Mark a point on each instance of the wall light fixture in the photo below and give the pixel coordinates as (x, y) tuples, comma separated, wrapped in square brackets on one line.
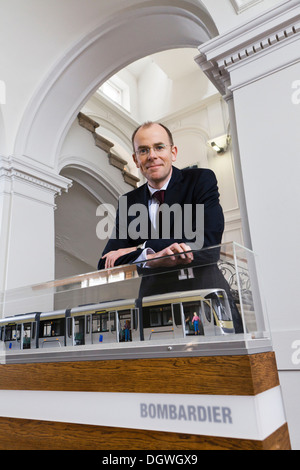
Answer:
[(220, 144)]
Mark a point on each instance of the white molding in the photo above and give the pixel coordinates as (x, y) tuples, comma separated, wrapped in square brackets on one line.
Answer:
[(232, 215), (264, 34), (15, 169), (242, 5), (261, 26)]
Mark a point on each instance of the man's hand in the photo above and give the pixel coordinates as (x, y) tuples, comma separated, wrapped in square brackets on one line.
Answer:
[(176, 254), (112, 256)]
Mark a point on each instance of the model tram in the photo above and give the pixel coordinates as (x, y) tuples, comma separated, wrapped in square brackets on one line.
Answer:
[(155, 317)]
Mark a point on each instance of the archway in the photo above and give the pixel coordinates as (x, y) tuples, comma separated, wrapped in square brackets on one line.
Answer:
[(130, 35), (77, 246)]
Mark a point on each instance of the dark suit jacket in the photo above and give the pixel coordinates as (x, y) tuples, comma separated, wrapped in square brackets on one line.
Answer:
[(190, 186), (186, 187)]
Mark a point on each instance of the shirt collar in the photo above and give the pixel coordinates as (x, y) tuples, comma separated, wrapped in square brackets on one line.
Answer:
[(153, 190)]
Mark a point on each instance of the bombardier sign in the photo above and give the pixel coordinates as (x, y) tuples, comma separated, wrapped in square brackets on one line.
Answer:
[(216, 414), (244, 417)]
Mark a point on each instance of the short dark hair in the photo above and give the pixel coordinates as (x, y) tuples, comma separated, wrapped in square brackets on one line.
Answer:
[(149, 124)]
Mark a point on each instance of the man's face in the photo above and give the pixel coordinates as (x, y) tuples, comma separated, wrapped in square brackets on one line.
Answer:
[(156, 166)]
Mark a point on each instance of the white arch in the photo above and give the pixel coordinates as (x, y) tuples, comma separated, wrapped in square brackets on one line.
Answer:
[(128, 36), (88, 176)]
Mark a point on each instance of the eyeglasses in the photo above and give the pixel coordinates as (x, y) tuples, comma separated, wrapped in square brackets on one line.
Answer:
[(158, 149)]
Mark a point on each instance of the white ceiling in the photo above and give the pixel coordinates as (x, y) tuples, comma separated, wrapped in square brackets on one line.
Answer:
[(176, 63)]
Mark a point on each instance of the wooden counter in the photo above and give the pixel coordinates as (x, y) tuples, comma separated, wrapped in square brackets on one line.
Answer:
[(231, 376)]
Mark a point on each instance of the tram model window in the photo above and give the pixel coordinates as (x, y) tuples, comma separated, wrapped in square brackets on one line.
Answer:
[(101, 322), (69, 327), (206, 306), (52, 328), (218, 305), (88, 324), (12, 332), (158, 315), (177, 313)]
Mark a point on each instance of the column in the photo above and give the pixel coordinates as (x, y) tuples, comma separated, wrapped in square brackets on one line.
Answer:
[(257, 65), (27, 234)]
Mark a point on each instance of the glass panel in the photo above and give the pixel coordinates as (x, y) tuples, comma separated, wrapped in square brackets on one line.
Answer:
[(220, 287), (52, 328)]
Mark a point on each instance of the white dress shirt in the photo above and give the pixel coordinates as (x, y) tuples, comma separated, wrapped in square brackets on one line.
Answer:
[(153, 206)]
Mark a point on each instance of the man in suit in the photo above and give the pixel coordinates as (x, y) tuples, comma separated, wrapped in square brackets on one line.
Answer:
[(187, 190)]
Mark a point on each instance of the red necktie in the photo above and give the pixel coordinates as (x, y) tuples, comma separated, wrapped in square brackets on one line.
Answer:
[(160, 196)]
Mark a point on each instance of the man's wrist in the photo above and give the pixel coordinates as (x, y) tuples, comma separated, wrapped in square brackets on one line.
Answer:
[(143, 257)]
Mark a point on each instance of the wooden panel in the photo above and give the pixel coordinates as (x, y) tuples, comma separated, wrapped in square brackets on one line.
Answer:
[(221, 375), (19, 434)]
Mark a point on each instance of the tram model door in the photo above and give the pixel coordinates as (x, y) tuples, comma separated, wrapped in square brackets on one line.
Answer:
[(178, 320), (128, 325), (12, 336), (190, 309), (207, 317), (79, 330)]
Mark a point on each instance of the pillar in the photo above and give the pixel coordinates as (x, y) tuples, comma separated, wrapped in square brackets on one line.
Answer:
[(257, 68), (27, 234)]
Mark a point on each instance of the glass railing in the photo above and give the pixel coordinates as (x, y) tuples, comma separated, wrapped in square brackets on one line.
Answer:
[(176, 304)]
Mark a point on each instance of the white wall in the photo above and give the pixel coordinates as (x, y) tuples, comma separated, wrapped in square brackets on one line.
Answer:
[(154, 91), (260, 65), (271, 170)]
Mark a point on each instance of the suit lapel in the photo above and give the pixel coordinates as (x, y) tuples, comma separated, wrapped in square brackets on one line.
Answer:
[(173, 189)]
